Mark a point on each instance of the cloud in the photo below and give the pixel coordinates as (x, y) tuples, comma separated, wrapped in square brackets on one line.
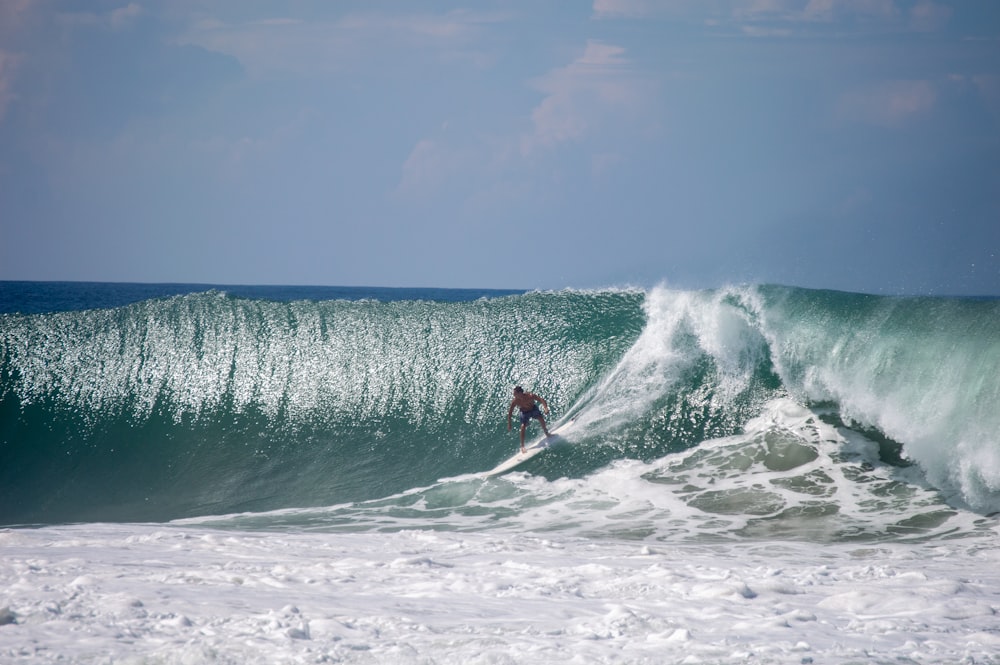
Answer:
[(927, 16), (426, 168), (830, 9), (597, 95), (581, 95), (750, 7), (457, 163), (888, 105), (119, 18), (454, 25), (116, 19), (776, 18), (23, 21), (13, 14), (701, 9), (763, 31), (287, 44), (624, 8)]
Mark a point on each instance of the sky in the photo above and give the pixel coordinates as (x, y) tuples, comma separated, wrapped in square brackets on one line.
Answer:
[(538, 144)]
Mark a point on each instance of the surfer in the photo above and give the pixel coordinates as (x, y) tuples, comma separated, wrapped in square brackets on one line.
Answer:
[(529, 409)]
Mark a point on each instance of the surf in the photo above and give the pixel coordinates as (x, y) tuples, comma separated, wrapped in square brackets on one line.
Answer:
[(209, 403)]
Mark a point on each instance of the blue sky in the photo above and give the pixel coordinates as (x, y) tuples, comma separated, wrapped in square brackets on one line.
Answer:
[(844, 144)]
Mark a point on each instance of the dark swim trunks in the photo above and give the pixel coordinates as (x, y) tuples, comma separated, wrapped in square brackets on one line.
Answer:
[(528, 415)]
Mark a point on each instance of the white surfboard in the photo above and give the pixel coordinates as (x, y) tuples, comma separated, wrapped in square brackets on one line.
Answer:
[(544, 443)]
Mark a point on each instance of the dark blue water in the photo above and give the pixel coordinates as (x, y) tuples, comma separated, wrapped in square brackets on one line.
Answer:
[(42, 297)]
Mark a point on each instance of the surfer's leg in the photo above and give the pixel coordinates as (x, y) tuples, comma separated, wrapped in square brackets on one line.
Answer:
[(524, 426), (545, 429)]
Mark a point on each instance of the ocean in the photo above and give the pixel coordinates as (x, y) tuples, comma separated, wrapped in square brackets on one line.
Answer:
[(253, 474)]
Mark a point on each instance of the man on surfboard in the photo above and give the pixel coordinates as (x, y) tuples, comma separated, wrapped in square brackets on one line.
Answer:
[(526, 402)]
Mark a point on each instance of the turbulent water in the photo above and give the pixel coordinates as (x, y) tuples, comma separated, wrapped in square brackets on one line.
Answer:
[(741, 415)]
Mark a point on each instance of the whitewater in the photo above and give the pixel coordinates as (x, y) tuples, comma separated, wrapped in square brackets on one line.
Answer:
[(753, 474)]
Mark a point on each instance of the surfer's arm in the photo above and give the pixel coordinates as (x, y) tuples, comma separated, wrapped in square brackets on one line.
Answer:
[(510, 411), (542, 400)]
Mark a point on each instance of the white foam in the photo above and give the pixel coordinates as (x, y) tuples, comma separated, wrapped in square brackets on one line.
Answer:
[(681, 328), (789, 475), (173, 594)]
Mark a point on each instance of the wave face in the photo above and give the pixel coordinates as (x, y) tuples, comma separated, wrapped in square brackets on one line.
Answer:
[(208, 404)]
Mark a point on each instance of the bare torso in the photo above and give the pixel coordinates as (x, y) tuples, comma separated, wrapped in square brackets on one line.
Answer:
[(524, 401)]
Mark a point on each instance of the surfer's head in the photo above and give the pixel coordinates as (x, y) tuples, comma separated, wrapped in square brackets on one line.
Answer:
[(518, 389)]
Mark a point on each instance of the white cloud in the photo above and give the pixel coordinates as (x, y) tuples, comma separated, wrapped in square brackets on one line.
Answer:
[(597, 93), (627, 8), (830, 9), (699, 9), (276, 45), (581, 95), (454, 25), (927, 15), (16, 18), (119, 18), (888, 105), (425, 169), (753, 10), (763, 31), (780, 18), (283, 44), (116, 19), (763, 6)]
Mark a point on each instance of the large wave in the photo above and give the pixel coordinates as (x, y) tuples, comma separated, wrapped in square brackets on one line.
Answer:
[(208, 403)]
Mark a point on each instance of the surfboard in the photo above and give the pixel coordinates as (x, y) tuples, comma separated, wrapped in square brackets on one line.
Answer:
[(535, 447)]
